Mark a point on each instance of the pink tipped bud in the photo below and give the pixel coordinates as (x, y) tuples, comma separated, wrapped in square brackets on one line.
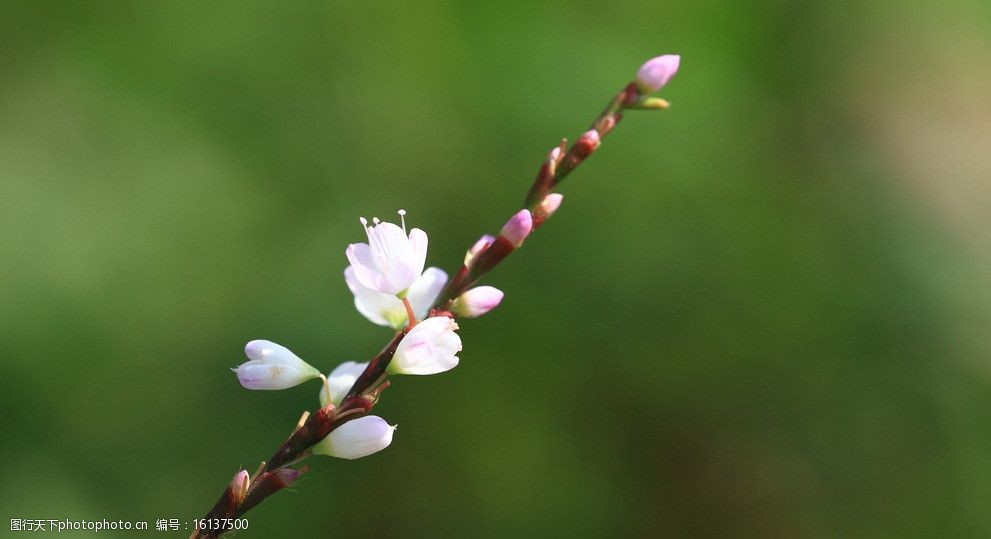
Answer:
[(550, 204), (517, 228), (239, 486), (587, 143), (477, 301), (656, 72), (481, 245)]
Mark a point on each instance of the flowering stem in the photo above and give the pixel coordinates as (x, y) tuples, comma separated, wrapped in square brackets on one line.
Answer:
[(276, 473)]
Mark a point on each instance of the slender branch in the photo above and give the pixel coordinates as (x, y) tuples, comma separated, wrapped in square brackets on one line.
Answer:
[(275, 474)]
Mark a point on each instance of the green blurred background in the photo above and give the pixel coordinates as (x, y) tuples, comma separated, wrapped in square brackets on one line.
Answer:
[(762, 313)]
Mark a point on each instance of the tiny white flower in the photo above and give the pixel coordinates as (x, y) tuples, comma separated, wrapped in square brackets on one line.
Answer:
[(477, 301), (429, 348), (339, 382), (391, 261), (387, 309), (273, 366), (357, 438)]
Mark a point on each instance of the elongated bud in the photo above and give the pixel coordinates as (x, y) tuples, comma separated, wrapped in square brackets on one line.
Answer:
[(646, 102), (546, 208), (656, 72), (357, 438), (655, 103), (272, 366), (477, 301), (430, 347), (239, 486), (517, 228), (339, 382), (551, 203), (481, 245), (586, 144)]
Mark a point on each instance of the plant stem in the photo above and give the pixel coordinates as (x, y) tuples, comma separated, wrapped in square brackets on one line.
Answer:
[(275, 474)]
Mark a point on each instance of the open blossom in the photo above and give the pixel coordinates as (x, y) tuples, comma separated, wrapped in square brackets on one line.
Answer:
[(656, 72), (477, 301), (429, 348), (357, 438), (273, 366), (391, 261), (339, 382), (387, 309)]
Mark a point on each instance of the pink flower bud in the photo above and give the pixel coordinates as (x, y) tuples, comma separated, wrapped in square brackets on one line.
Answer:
[(477, 301), (550, 204), (517, 228), (239, 486), (481, 245), (587, 143), (656, 72)]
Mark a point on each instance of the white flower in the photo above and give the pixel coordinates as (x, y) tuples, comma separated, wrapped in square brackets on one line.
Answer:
[(429, 348), (339, 382), (273, 366), (391, 261), (357, 438), (477, 301), (387, 309)]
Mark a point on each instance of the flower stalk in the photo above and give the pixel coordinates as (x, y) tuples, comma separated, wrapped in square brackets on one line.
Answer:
[(387, 269)]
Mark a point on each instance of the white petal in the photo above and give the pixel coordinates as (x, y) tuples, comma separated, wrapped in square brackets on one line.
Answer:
[(418, 246), (423, 293), (379, 308), (389, 245), (429, 348), (357, 438), (340, 381), (477, 301), (262, 350), (365, 269)]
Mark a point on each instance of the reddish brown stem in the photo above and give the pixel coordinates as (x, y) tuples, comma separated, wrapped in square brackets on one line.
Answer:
[(276, 474)]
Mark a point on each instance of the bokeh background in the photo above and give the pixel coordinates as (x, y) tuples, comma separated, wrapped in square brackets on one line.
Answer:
[(762, 313)]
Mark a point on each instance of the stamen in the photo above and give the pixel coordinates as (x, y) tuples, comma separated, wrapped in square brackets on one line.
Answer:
[(364, 223), (376, 220), (402, 218)]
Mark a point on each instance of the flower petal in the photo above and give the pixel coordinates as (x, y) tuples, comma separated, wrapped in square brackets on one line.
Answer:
[(423, 293), (357, 438), (379, 308), (340, 381)]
